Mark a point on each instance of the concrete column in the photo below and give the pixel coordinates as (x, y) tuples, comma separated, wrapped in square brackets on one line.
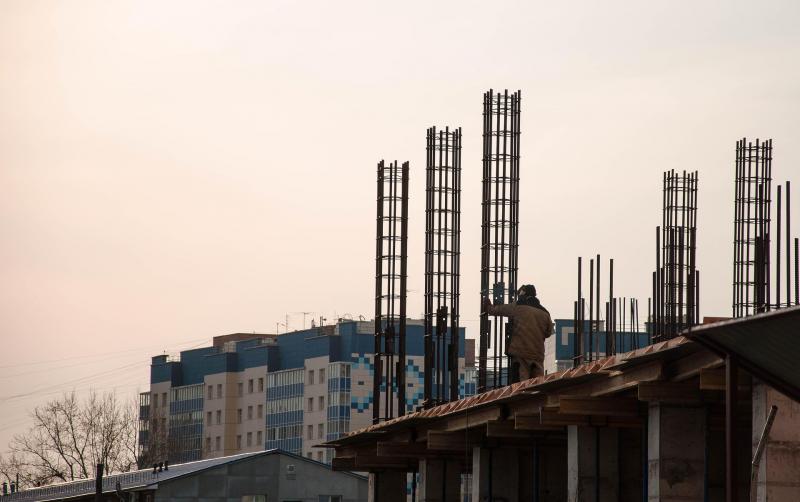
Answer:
[(582, 463), (675, 453), (439, 481), (778, 477), (387, 486), (495, 475)]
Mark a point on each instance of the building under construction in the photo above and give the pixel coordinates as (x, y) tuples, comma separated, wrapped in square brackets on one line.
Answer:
[(675, 407)]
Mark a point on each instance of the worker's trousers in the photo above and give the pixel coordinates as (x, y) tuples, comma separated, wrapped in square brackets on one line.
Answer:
[(526, 368)]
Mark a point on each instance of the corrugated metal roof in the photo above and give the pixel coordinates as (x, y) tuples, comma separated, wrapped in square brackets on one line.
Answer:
[(141, 479), (766, 345), (595, 369)]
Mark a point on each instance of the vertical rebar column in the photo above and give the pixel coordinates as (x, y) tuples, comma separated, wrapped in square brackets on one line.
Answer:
[(675, 288), (442, 264), (499, 225), (752, 216), (388, 386)]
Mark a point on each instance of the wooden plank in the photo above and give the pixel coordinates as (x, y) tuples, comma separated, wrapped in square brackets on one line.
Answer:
[(608, 406), (476, 418), (552, 417), (669, 392)]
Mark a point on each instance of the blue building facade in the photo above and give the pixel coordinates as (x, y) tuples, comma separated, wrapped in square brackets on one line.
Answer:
[(291, 391)]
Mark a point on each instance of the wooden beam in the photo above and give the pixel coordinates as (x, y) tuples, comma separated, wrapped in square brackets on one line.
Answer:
[(608, 406), (343, 463), (552, 417), (475, 418), (691, 365), (367, 462), (441, 440), (670, 392), (533, 423), (506, 429), (413, 450)]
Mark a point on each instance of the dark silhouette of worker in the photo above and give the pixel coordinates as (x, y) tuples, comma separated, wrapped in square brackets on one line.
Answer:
[(531, 325)]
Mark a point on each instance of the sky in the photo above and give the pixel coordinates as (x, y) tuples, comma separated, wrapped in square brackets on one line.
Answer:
[(171, 171)]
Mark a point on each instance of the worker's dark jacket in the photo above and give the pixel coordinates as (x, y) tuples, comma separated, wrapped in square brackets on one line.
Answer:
[(531, 326)]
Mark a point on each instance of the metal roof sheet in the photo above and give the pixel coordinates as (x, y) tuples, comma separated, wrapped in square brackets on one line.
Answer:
[(766, 345)]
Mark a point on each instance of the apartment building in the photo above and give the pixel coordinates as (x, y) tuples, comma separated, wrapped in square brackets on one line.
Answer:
[(249, 391)]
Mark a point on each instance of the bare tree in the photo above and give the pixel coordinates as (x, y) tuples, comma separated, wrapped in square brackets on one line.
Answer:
[(68, 437)]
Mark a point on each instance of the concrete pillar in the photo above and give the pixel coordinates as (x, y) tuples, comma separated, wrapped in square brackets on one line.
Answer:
[(778, 477), (495, 475), (439, 481), (582, 463), (387, 486), (675, 453)]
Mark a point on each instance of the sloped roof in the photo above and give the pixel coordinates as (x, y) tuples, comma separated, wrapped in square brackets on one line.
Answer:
[(595, 369), (766, 345), (137, 480)]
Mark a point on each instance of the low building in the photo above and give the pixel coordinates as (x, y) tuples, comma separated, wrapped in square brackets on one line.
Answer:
[(249, 392), (268, 476)]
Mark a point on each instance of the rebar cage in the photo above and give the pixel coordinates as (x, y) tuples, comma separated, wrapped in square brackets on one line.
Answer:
[(388, 389), (499, 225), (442, 264), (676, 278), (751, 247)]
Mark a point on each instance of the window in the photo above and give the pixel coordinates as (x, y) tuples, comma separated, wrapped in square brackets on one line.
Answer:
[(310, 406), (208, 444), (240, 387), (321, 431), (322, 375), (239, 416), (163, 399), (249, 439), (310, 377), (250, 386), (208, 418), (258, 498), (239, 442), (259, 441), (260, 385), (217, 443), (308, 454), (155, 400), (319, 456), (321, 403), (219, 417), (219, 390), (260, 411), (310, 432), (211, 392)]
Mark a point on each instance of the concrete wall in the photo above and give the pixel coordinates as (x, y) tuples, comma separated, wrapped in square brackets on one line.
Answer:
[(317, 416), (779, 472), (267, 475)]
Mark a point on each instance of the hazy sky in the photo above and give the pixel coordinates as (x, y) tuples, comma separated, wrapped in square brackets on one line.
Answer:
[(171, 171)]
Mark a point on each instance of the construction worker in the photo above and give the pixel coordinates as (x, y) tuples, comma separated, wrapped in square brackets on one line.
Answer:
[(531, 325)]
